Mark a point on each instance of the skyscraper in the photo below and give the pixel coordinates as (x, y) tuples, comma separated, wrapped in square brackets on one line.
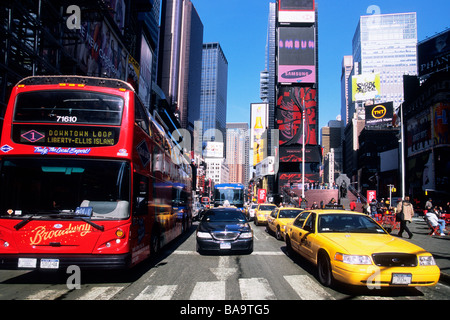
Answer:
[(387, 44), (213, 95), (238, 142)]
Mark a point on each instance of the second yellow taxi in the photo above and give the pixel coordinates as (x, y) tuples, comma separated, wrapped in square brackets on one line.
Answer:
[(262, 212), (351, 247), (279, 218)]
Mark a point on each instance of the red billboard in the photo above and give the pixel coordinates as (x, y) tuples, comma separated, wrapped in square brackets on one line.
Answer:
[(292, 102)]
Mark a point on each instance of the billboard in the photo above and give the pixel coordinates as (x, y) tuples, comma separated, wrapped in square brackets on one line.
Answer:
[(365, 87), (381, 113), (259, 121), (295, 154), (213, 149), (291, 103), (441, 117), (434, 54), (296, 55), (296, 11)]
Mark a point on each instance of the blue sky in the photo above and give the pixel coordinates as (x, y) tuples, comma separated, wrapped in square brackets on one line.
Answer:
[(240, 26)]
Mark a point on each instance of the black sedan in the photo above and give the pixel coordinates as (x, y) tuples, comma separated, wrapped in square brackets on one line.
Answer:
[(224, 230)]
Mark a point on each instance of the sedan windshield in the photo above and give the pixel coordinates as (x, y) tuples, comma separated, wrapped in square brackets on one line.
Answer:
[(348, 223), (224, 216), (35, 187)]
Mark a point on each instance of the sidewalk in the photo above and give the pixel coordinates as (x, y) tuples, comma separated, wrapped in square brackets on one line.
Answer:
[(438, 246)]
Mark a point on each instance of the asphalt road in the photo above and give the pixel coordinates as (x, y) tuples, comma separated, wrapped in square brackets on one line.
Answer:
[(180, 273)]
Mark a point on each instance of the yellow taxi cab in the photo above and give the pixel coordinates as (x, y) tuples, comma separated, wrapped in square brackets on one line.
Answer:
[(351, 247), (279, 218), (262, 212)]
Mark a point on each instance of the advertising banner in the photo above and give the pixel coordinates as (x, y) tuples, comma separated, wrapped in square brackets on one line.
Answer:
[(296, 55), (379, 114), (262, 195), (294, 154), (296, 11), (441, 117), (371, 194), (418, 133), (434, 54), (291, 103), (365, 87), (259, 123)]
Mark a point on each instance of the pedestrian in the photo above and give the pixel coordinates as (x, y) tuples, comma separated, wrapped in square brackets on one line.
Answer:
[(434, 220), (353, 205), (428, 205), (373, 207), (405, 212)]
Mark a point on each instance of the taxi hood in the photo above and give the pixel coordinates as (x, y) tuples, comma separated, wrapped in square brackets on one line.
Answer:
[(367, 244)]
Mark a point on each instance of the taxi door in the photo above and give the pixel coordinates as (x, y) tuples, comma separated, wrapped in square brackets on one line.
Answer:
[(271, 219), (296, 231), (308, 238)]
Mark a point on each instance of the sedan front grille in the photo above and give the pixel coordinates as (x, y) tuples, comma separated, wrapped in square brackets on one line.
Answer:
[(394, 259), (225, 235)]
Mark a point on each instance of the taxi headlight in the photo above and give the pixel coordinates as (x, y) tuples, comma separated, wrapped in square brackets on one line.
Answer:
[(427, 261), (352, 259)]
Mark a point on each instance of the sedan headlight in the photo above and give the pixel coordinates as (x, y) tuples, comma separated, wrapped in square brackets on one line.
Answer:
[(204, 235), (427, 261), (246, 235), (352, 259)]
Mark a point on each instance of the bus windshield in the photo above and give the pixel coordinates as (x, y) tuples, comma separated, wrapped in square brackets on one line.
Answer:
[(68, 106), (233, 195), (35, 187)]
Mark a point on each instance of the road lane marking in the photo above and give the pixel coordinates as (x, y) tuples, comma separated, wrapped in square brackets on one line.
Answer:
[(306, 288), (47, 294), (256, 289), (157, 292), (100, 293), (210, 290)]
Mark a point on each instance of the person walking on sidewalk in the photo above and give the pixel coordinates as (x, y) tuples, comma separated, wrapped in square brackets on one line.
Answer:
[(405, 212)]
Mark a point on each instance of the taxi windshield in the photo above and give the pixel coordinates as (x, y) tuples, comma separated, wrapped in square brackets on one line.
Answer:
[(348, 223)]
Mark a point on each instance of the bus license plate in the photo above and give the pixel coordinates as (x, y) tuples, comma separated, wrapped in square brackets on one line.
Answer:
[(49, 263), (225, 245), (27, 263), (401, 278)]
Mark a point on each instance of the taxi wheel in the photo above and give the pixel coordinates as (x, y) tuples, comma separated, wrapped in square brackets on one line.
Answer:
[(278, 234), (324, 270)]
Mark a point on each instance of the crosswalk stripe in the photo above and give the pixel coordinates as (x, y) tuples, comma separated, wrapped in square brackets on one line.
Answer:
[(100, 293), (47, 294), (256, 289), (306, 288), (211, 290), (157, 293)]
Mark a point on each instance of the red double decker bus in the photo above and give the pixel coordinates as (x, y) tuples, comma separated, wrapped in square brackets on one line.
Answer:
[(87, 177)]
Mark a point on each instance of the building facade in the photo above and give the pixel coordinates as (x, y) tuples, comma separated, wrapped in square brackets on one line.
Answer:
[(213, 94)]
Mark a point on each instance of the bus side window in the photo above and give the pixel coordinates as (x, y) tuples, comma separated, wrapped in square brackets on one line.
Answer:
[(141, 117), (140, 195)]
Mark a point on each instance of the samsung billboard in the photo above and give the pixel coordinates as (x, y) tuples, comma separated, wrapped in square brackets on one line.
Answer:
[(296, 11), (296, 55)]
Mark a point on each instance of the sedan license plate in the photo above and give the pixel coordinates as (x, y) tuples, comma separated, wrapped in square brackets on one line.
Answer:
[(49, 263), (401, 278), (225, 245)]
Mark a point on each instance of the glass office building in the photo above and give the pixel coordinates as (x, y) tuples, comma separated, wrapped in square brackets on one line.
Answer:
[(387, 44), (213, 93)]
